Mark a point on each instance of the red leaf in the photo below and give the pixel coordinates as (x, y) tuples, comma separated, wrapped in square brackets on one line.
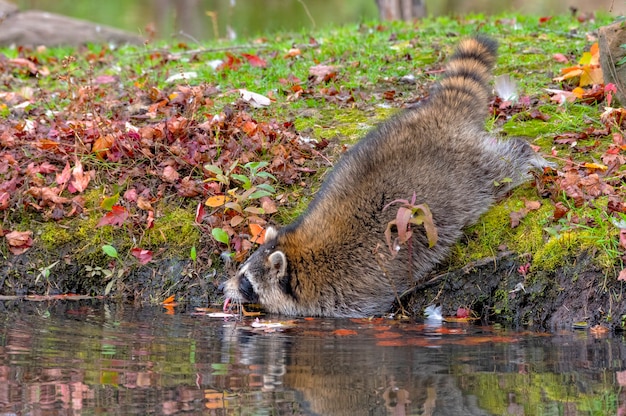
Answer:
[(199, 213), (64, 176), (116, 216), (463, 313), (144, 256), (545, 19), (255, 60)]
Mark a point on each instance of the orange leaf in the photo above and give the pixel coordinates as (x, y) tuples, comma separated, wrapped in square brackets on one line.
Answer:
[(46, 144), (169, 307), (258, 233), (101, 145), (169, 299), (216, 201)]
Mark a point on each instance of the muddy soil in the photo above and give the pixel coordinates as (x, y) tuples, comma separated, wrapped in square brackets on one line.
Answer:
[(492, 288)]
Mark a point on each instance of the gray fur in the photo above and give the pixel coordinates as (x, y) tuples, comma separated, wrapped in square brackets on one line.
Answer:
[(334, 261)]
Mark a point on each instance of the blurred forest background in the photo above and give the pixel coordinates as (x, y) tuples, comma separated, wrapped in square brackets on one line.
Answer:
[(206, 19)]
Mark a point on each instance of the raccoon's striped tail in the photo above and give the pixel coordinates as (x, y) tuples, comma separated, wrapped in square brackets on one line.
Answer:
[(465, 85)]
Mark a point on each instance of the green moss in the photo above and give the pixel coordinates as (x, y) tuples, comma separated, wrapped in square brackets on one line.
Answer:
[(52, 236), (555, 251), (561, 119), (174, 229)]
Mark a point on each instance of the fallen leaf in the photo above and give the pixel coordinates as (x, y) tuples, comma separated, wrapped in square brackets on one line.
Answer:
[(258, 233), (65, 175), (144, 256), (170, 299), (80, 179), (255, 60), (19, 241), (116, 217), (101, 145), (170, 174), (216, 201)]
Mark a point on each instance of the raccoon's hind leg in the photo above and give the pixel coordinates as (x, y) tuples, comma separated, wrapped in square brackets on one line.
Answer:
[(516, 161)]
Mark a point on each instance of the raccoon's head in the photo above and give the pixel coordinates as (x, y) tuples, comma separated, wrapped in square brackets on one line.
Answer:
[(263, 278)]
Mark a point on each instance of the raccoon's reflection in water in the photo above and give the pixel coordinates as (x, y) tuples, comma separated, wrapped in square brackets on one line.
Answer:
[(326, 375)]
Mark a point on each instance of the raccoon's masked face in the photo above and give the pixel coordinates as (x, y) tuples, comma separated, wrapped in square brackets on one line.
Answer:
[(263, 278)]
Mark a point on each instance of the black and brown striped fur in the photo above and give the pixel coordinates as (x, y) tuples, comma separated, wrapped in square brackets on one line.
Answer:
[(333, 261)]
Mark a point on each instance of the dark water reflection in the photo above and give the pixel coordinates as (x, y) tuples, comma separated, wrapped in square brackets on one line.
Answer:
[(84, 358)]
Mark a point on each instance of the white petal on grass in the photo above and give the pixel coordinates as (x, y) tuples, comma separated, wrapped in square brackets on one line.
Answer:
[(255, 100), (506, 88)]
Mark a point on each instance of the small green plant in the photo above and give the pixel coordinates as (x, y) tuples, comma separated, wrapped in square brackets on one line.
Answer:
[(110, 251), (45, 272), (220, 235)]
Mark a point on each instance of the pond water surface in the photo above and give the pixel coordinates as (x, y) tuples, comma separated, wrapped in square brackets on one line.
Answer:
[(84, 358)]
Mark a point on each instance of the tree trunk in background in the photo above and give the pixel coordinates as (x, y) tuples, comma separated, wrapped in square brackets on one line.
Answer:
[(401, 9)]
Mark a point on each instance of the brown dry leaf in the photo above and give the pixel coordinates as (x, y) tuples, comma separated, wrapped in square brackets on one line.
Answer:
[(19, 241), (64, 176), (80, 179), (170, 174), (4, 200), (517, 216), (622, 275), (102, 144), (323, 72), (143, 203), (268, 205), (532, 205)]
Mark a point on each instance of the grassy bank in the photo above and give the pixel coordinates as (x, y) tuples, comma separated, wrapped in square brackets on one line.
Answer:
[(113, 161)]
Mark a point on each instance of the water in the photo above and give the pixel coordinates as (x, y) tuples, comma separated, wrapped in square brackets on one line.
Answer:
[(86, 358)]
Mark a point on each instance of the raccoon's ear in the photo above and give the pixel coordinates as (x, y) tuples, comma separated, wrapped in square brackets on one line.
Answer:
[(270, 233), (278, 264)]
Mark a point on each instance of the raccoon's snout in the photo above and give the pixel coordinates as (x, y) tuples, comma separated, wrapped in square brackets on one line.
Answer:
[(246, 289)]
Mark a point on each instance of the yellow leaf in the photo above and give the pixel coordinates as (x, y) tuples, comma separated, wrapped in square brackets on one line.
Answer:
[(578, 92), (592, 75), (599, 166), (216, 201)]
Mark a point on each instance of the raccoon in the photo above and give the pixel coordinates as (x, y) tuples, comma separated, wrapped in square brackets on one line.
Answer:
[(333, 260)]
